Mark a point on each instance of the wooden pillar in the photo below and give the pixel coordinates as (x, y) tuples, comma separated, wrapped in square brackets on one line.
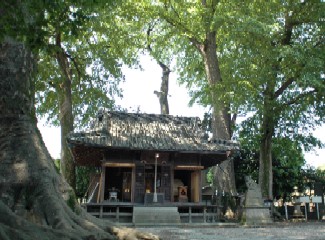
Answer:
[(195, 186), (204, 214), (101, 191), (117, 214), (200, 184), (133, 184), (101, 211), (172, 172)]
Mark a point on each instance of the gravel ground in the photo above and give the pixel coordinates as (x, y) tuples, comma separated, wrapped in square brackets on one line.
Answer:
[(284, 231)]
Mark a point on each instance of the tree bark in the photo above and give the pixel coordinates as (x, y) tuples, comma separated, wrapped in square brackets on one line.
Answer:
[(163, 94), (224, 178), (35, 201), (265, 169), (224, 175), (221, 118), (267, 132), (67, 165)]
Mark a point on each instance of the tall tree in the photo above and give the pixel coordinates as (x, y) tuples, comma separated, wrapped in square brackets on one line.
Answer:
[(147, 34), (193, 29), (197, 23), (188, 30), (35, 201), (275, 68), (158, 56), (76, 58), (287, 161)]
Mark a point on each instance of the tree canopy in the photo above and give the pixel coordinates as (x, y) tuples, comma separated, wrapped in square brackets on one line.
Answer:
[(35, 200), (271, 62), (260, 59)]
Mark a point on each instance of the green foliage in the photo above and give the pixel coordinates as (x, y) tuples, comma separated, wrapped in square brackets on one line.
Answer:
[(57, 165), (271, 61), (288, 163), (312, 176), (94, 61), (282, 49), (83, 175), (23, 21), (72, 201), (94, 56), (272, 64), (245, 164), (209, 176)]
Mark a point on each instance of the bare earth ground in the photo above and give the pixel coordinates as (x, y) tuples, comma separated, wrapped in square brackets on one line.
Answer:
[(278, 231)]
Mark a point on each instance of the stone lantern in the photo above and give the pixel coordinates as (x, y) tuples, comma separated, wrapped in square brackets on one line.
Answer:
[(295, 195)]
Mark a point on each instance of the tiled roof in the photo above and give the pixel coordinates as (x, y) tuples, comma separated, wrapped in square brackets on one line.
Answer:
[(149, 132)]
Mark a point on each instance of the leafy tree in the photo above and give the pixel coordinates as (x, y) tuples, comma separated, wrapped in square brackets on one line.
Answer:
[(83, 177), (154, 38), (188, 30), (312, 176), (193, 29), (35, 200), (198, 23), (78, 70), (278, 74), (288, 163)]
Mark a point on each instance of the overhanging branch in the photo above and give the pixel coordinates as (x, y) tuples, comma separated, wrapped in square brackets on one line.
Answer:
[(178, 24), (299, 98), (283, 87), (76, 65)]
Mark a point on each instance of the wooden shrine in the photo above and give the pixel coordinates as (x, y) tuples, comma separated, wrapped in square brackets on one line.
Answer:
[(133, 150)]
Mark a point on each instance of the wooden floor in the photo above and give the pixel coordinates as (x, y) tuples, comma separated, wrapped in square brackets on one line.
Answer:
[(122, 212)]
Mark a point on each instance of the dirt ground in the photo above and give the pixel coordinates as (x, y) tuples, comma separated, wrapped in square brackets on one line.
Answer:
[(279, 231)]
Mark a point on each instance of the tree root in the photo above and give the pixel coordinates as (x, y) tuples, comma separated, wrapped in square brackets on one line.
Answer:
[(34, 197)]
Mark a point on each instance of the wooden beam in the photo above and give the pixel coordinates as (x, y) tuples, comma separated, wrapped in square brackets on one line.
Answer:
[(195, 186), (101, 191), (188, 167), (113, 164)]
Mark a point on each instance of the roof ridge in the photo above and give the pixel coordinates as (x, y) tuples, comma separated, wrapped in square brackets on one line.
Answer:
[(148, 114)]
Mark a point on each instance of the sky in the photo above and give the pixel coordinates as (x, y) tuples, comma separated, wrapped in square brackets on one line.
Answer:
[(138, 91)]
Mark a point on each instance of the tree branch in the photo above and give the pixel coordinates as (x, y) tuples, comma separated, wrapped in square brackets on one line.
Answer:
[(233, 119), (149, 30), (288, 26), (284, 86), (149, 48), (179, 25), (300, 97), (75, 63)]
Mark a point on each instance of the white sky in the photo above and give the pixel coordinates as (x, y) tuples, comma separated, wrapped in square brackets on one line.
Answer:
[(138, 91)]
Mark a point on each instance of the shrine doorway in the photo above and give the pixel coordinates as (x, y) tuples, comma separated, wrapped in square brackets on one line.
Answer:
[(119, 181), (190, 179)]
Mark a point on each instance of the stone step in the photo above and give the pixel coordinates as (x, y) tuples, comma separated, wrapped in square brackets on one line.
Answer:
[(156, 215)]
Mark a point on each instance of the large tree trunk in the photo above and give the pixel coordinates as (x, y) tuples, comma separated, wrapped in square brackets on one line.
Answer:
[(35, 201), (224, 176), (67, 166), (267, 132), (221, 117), (163, 94), (265, 169)]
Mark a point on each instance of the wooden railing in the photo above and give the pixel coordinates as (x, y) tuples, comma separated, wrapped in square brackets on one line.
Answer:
[(123, 212)]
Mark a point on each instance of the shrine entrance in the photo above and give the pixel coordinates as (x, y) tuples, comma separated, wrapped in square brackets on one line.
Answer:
[(118, 184), (187, 185), (145, 181)]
